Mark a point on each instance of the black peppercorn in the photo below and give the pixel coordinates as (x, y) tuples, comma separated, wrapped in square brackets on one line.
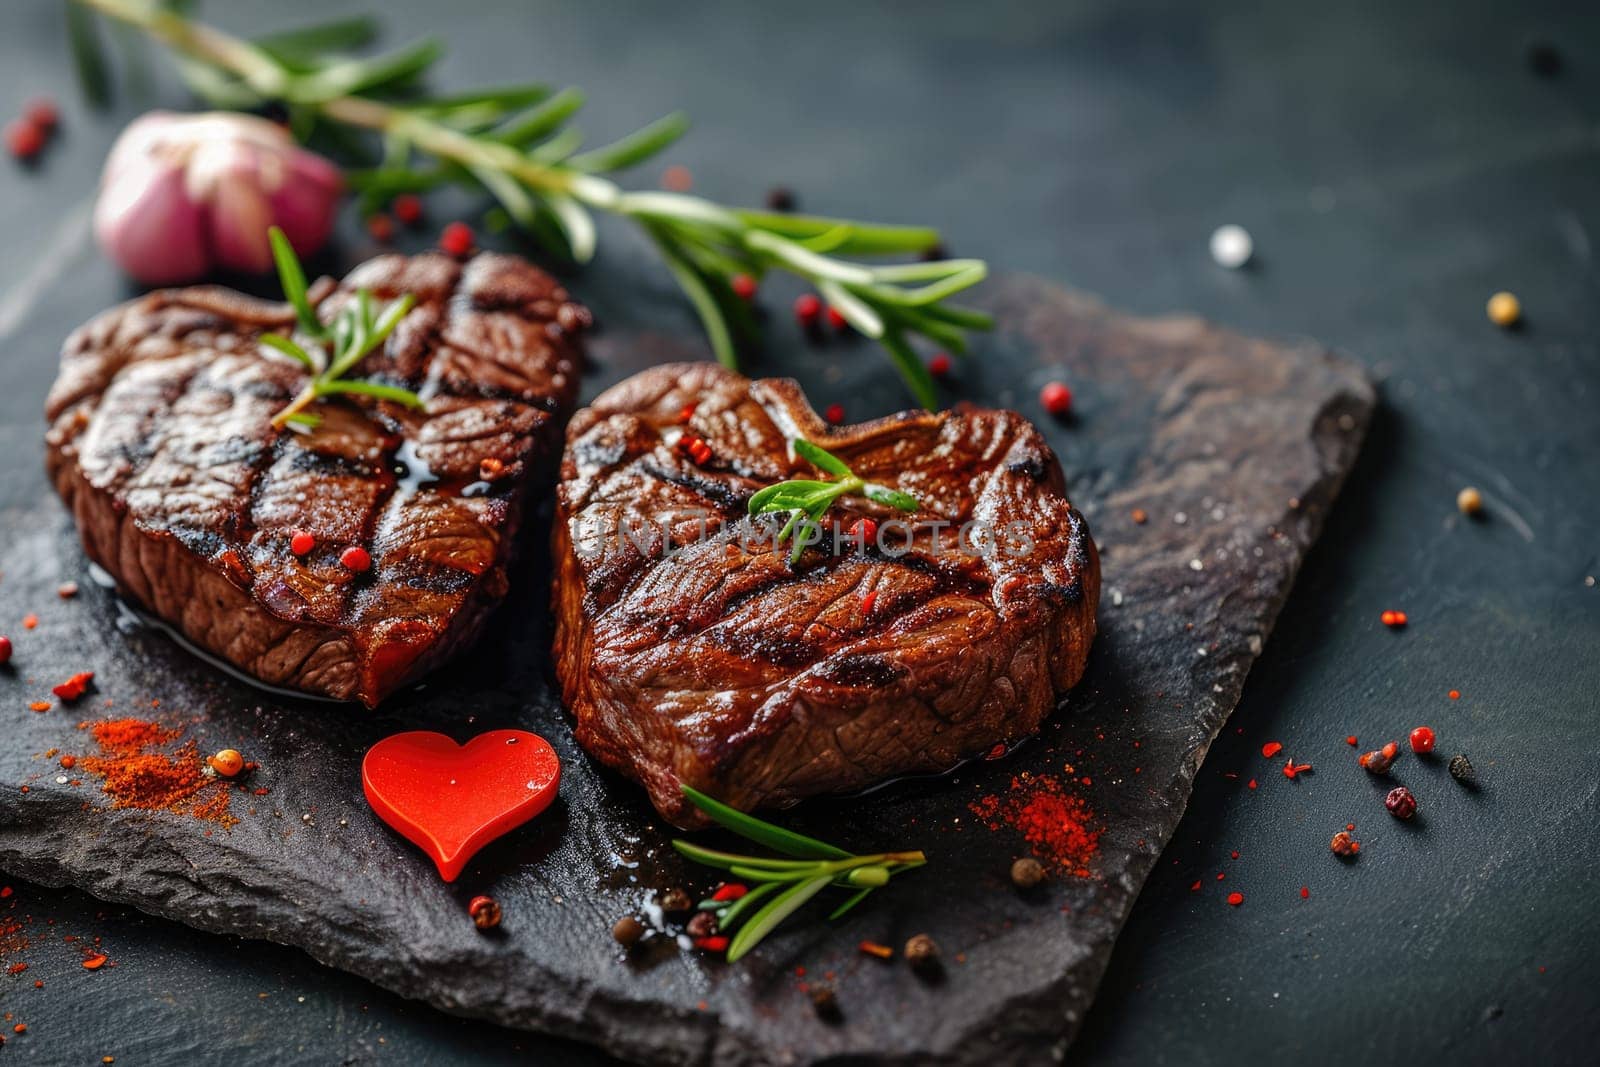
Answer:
[(781, 198), (933, 252), (1400, 802), (922, 952), (1544, 58), (627, 931), (676, 901), (1462, 771), (704, 924), (485, 912), (825, 1001), (1026, 873)]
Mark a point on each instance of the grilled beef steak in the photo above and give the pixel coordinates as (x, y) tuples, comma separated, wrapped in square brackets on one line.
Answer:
[(161, 445), (691, 651)]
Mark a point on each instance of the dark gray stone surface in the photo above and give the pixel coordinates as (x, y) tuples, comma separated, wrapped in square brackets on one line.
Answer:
[(1233, 447)]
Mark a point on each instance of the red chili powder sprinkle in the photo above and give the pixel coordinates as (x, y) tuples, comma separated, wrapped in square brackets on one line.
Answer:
[(1060, 828), (1235, 853), (1235, 898), (1455, 694), (30, 621), (1305, 892), (16, 968), (1351, 740), (40, 705), (1271, 748), (136, 777), (868, 600), (1196, 887), (1350, 826), (94, 963), (1251, 783), (872, 948)]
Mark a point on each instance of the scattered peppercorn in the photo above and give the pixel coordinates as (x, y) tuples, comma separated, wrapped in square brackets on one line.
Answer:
[(1469, 502), (1505, 309), (1400, 802), (42, 112), (677, 178), (1344, 845), (1139, 516), (301, 543), (864, 531), (676, 901), (702, 924), (485, 912), (1379, 760), (837, 320), (457, 240), (627, 931), (1235, 899), (825, 1001), (939, 365), (807, 309), (743, 286), (407, 208), (834, 414), (1305, 892), (1027, 873), (1056, 398), (781, 198), (1544, 59), (922, 952), (1422, 740), (355, 558), (6, 649), (227, 763), (24, 140), (1461, 770), (1393, 619), (68, 762), (380, 227)]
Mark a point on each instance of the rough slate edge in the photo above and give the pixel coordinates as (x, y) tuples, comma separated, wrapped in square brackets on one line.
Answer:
[(1115, 380)]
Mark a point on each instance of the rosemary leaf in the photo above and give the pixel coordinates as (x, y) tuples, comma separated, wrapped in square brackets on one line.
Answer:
[(736, 913), (636, 147), (820, 458), (290, 349), (372, 389), (855, 898), (293, 280), (774, 912), (763, 833)]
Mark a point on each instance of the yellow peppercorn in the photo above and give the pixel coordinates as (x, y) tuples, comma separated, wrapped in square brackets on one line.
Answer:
[(1504, 309), (227, 763), (1469, 501)]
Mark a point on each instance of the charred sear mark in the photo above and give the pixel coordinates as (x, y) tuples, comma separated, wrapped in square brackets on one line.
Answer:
[(721, 494), (861, 672), (778, 649), (1032, 466), (327, 463)]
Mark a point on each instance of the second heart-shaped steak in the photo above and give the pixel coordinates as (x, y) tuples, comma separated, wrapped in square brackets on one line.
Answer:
[(344, 561), (692, 650)]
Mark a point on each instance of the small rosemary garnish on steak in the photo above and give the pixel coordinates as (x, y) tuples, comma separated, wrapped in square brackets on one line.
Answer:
[(332, 350), (807, 500), (783, 885)]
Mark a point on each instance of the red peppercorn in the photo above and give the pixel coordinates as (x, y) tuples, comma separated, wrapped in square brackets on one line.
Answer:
[(302, 543), (1305, 892), (1056, 398), (1393, 619), (1235, 899), (834, 414), (1422, 739), (485, 912), (807, 309), (731, 891), (381, 227), (5, 649), (457, 239), (24, 140), (407, 208), (939, 365), (744, 286), (836, 320), (355, 558), (1400, 802), (864, 531), (696, 449), (42, 112)]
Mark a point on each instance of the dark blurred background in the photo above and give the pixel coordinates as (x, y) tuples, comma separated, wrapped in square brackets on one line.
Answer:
[(1396, 164)]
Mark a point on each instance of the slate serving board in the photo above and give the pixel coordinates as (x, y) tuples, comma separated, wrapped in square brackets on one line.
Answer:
[(1234, 448)]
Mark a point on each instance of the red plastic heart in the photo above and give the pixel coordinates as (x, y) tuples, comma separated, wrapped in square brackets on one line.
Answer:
[(450, 800)]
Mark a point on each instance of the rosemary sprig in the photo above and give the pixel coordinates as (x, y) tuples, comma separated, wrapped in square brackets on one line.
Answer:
[(331, 351), (783, 886), (515, 144), (807, 500)]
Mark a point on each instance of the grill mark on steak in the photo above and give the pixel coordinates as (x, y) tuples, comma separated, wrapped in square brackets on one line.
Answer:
[(720, 665), (161, 445)]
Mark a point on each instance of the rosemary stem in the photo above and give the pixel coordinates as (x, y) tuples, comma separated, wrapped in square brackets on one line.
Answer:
[(301, 401)]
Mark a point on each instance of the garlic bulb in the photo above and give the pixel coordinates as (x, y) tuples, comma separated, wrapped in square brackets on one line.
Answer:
[(185, 194)]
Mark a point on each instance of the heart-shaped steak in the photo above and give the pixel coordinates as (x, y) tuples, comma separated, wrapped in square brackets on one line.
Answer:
[(692, 651), (450, 800), (162, 446)]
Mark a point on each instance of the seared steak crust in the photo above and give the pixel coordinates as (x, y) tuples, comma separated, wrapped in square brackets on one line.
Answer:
[(690, 651), (161, 445)]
